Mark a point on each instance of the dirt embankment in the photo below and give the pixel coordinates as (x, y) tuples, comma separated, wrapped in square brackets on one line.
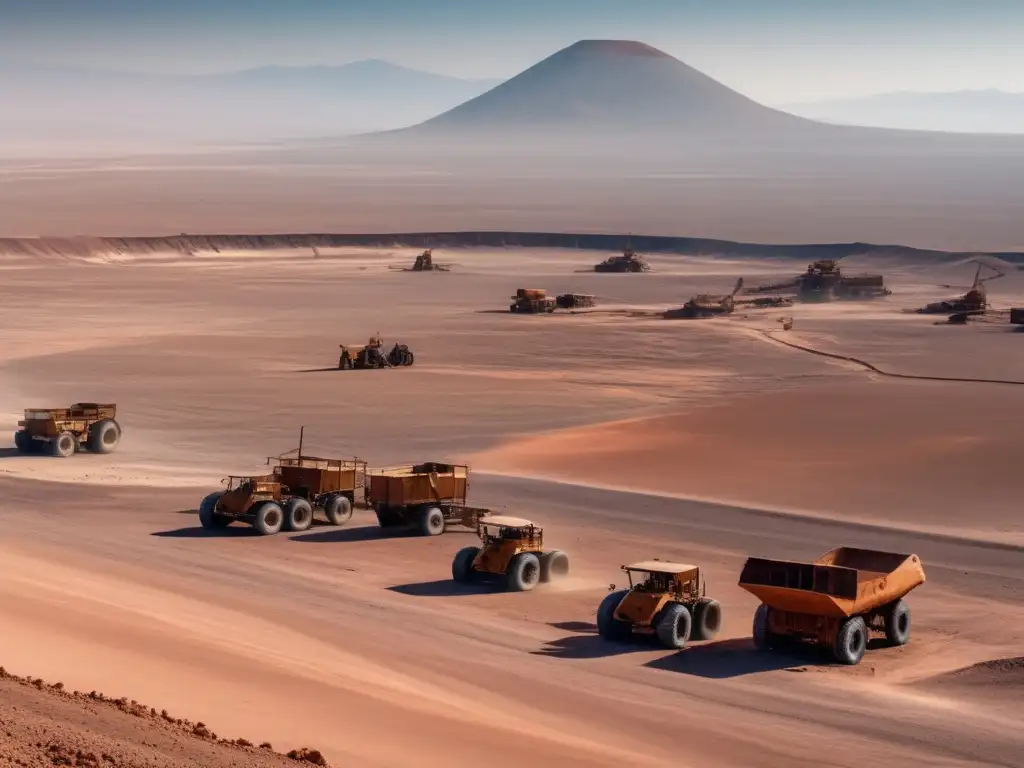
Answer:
[(43, 724), (91, 247)]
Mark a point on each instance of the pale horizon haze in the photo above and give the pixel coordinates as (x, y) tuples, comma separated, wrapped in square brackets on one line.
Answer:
[(777, 53)]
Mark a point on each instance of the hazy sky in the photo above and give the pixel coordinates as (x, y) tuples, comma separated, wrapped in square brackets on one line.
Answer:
[(776, 51)]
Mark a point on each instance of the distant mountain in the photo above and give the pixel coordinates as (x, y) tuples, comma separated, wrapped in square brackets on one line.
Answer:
[(612, 87), (55, 104), (979, 111)]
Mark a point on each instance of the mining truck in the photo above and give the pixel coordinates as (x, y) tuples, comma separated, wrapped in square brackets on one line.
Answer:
[(835, 601), (427, 497), (289, 496), (64, 431), (532, 301), (372, 356), (512, 552), (666, 600)]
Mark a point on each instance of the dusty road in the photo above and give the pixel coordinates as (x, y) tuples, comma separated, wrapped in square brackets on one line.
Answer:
[(361, 645)]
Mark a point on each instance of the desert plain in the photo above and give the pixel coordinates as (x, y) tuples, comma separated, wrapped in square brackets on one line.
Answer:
[(625, 435)]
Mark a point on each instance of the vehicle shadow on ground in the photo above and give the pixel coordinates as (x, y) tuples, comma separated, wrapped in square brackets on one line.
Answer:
[(334, 535), (198, 532), (444, 588), (591, 646), (318, 370), (735, 658), (575, 626)]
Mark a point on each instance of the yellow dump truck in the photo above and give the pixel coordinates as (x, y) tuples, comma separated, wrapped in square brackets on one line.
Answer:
[(512, 550), (837, 600), (428, 496), (64, 431)]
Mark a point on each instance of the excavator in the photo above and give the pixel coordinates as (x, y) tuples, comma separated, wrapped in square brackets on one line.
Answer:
[(974, 302)]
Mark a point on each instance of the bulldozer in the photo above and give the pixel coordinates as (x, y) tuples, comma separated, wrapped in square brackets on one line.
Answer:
[(664, 599), (629, 261), (513, 550), (372, 355)]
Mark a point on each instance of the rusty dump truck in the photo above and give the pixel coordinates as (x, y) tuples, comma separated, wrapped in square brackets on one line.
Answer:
[(835, 601), (426, 496), (288, 497), (64, 431)]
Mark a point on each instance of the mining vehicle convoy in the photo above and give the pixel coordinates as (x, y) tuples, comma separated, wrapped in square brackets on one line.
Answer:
[(513, 551), (64, 431), (371, 355), (428, 497), (836, 601), (665, 599), (290, 495)]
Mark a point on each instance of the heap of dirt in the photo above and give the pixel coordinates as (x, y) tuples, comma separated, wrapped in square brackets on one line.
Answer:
[(43, 724), (1002, 678)]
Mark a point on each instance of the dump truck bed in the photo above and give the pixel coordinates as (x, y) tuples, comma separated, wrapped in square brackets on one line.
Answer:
[(318, 476), (419, 484), (842, 582), (78, 411)]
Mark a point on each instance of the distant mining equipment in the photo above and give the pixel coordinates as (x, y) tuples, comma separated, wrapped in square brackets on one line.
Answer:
[(972, 303), (713, 305), (825, 281), (535, 301), (629, 261), (425, 263)]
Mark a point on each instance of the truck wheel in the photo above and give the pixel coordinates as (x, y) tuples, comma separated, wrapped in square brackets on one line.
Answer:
[(298, 515), (760, 632), (269, 518), (554, 563), (707, 619), (410, 358), (23, 442), (338, 509), (608, 627), (64, 445), (673, 626), (462, 565), (897, 623), (523, 572), (103, 436), (208, 515), (851, 641), (431, 522)]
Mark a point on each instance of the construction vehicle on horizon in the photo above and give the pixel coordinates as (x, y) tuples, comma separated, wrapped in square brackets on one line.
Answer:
[(973, 302), (424, 263), (513, 551), (629, 261), (835, 601), (288, 497), (428, 497), (666, 600), (371, 355), (824, 281), (534, 301), (64, 431)]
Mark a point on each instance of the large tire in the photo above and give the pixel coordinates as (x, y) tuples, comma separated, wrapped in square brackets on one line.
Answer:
[(337, 509), (23, 442), (608, 627), (431, 522), (761, 634), (410, 358), (462, 565), (707, 619), (64, 445), (897, 623), (553, 564), (269, 518), (851, 641), (523, 572), (298, 514), (208, 516), (104, 436), (673, 626)]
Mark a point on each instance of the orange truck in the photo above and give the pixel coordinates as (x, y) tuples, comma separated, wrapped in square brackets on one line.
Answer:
[(836, 601)]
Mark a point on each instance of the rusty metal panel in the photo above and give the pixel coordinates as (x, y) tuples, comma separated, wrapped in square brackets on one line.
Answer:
[(640, 608)]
